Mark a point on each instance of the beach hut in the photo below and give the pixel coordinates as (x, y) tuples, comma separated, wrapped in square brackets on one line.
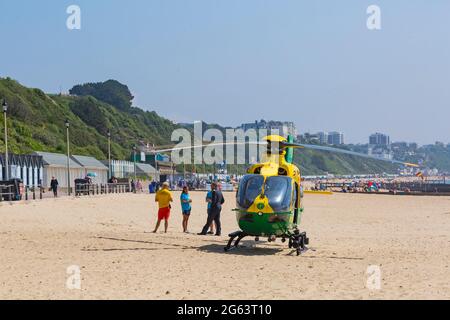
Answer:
[(55, 165), (145, 170), (125, 169), (93, 168), (120, 168), (28, 168)]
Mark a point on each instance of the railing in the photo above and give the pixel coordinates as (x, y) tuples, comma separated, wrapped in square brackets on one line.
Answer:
[(12, 193), (86, 189), (419, 187), (7, 192), (30, 192)]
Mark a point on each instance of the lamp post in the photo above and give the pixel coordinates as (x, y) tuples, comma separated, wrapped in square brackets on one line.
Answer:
[(156, 168), (5, 109), (68, 157), (134, 161), (204, 170), (109, 155)]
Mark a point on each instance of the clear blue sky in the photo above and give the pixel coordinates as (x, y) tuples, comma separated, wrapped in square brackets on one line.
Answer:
[(234, 61)]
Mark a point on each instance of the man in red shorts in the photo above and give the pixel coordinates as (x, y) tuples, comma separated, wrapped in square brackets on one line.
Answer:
[(164, 198)]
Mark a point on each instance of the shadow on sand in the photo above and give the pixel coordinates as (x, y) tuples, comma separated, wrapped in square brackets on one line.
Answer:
[(167, 246), (247, 248)]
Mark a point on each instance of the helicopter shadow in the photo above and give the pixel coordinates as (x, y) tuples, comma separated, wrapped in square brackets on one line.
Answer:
[(247, 248)]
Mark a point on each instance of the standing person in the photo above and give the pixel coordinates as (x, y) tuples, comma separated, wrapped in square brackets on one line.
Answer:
[(186, 207), (139, 186), (215, 201), (208, 200), (54, 186), (164, 198)]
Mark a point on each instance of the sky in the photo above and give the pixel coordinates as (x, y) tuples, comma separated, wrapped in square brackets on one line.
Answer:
[(230, 61)]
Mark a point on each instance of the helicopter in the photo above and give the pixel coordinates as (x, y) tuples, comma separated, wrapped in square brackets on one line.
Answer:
[(269, 196)]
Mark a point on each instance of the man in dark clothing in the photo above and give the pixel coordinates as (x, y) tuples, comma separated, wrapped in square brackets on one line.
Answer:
[(54, 186), (215, 201)]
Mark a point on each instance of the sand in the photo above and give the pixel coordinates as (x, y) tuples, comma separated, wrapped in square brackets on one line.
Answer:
[(108, 237)]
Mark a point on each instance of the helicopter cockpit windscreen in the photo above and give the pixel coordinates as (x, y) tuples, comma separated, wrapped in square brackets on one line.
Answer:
[(279, 192), (277, 189), (249, 188)]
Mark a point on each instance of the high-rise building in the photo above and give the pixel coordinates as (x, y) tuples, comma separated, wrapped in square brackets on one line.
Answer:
[(335, 138), (283, 128), (379, 139), (254, 125), (323, 137)]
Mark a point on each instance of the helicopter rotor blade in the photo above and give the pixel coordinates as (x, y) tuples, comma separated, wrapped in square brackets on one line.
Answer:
[(342, 151), (283, 145), (210, 145)]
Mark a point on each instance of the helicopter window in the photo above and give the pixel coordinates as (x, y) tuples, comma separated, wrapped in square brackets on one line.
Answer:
[(279, 192), (249, 188)]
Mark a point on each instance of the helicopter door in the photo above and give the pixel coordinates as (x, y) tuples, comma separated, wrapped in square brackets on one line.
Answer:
[(296, 203)]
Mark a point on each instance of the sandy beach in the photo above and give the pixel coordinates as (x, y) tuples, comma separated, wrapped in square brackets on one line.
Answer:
[(109, 238)]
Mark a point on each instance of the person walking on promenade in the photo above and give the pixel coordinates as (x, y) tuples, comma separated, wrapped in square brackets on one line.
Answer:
[(54, 186)]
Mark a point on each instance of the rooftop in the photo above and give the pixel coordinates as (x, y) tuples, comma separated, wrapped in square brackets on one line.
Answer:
[(89, 162), (145, 168), (56, 160)]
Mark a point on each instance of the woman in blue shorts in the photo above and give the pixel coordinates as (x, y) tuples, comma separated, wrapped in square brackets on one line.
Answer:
[(186, 208)]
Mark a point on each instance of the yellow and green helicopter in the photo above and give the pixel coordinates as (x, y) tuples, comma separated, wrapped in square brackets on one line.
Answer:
[(269, 197)]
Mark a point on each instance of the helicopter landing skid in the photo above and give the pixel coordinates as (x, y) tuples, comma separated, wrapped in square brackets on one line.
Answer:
[(298, 240), (239, 235)]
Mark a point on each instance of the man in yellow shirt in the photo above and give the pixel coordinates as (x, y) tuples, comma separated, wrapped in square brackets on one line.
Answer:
[(164, 198)]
